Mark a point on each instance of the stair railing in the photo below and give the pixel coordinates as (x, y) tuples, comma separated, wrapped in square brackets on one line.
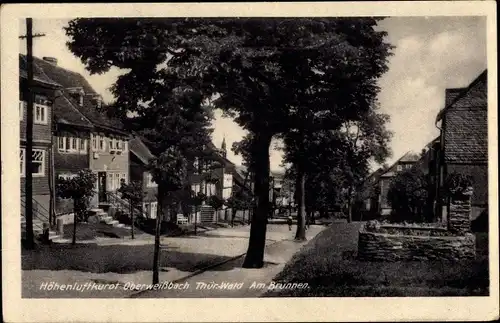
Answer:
[(41, 212), (124, 205), (36, 215)]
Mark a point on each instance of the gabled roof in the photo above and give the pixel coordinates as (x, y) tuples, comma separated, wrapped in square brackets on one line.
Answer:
[(408, 157), (140, 150), (70, 80), (38, 74), (466, 125), (453, 96), (65, 112)]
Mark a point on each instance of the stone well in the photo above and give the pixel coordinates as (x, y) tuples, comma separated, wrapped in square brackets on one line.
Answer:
[(405, 242)]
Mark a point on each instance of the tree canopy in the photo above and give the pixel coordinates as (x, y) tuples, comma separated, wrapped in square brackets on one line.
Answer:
[(270, 75)]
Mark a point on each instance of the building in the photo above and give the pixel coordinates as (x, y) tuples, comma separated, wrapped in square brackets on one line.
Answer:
[(140, 156), (464, 141), (44, 91), (407, 161), (85, 137)]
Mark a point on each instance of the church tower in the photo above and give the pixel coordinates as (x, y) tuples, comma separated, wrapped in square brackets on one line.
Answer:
[(223, 147)]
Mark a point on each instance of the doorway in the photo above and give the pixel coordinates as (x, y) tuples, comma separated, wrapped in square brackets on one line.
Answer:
[(102, 187)]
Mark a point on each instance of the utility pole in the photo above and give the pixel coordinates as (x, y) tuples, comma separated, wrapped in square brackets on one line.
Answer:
[(28, 161)]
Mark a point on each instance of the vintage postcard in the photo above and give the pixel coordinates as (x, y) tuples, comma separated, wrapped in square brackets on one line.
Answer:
[(249, 162)]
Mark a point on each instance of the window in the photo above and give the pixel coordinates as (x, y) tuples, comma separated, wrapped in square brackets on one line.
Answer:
[(61, 143), (399, 168), (123, 177), (408, 166), (125, 145), (37, 160), (154, 209), (196, 165), (83, 145), (22, 153), (67, 176), (149, 181), (22, 104), (196, 188), (40, 114), (80, 100), (94, 142), (117, 181), (102, 144), (118, 145), (112, 144), (74, 144)]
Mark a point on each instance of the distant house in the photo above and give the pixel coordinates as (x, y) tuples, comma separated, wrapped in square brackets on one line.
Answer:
[(140, 156), (44, 91), (407, 161), (217, 176), (464, 140), (85, 137)]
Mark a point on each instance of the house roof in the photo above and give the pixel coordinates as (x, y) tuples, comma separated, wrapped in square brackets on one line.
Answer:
[(38, 74), (71, 80), (466, 129), (460, 95), (140, 150), (65, 112), (408, 157)]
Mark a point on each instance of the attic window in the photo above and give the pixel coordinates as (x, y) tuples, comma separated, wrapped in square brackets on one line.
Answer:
[(80, 100), (98, 102)]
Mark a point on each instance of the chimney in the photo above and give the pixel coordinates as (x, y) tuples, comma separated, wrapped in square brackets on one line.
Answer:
[(51, 60)]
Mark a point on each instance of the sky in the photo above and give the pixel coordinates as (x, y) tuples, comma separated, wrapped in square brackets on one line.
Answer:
[(430, 55)]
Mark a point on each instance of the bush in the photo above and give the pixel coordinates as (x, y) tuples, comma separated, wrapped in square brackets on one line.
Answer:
[(407, 196), (457, 184)]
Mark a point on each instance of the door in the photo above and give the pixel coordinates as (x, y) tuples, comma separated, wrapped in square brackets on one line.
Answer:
[(153, 210), (101, 176)]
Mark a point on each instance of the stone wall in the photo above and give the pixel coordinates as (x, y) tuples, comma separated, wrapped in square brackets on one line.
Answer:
[(394, 247), (459, 217)]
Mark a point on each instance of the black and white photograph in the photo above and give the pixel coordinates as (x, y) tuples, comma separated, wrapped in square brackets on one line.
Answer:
[(168, 156)]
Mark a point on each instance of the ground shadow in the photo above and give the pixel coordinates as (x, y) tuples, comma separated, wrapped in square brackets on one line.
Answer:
[(115, 258)]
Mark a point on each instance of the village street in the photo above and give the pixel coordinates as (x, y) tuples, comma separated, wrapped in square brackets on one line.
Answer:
[(211, 256)]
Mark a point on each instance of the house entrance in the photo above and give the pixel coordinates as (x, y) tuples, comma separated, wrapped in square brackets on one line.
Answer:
[(102, 186)]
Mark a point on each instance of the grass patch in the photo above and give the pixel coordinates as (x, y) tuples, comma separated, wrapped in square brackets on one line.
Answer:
[(90, 231), (328, 264)]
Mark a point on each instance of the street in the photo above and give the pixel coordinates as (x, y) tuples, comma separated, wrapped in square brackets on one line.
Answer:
[(128, 262)]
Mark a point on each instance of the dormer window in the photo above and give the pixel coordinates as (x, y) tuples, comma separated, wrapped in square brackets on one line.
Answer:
[(77, 93), (97, 100)]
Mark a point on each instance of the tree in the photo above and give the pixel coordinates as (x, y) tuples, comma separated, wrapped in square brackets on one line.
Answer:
[(197, 200), (407, 195), (80, 189), (240, 199), (367, 140), (269, 74), (134, 193)]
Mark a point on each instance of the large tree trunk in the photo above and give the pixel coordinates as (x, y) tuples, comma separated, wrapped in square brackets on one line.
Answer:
[(300, 235), (260, 154)]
